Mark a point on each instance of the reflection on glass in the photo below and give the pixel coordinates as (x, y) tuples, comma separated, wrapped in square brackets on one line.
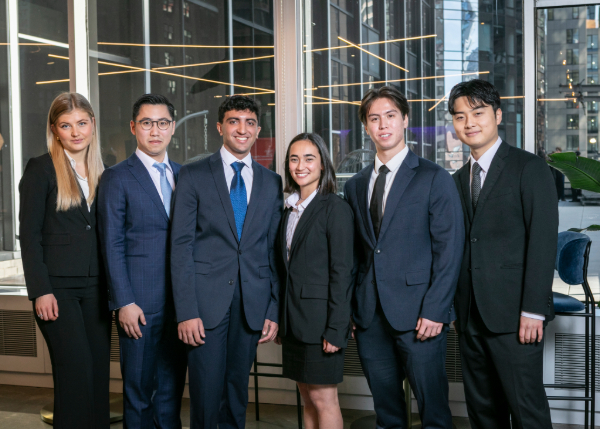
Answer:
[(194, 58), (440, 43), (567, 108)]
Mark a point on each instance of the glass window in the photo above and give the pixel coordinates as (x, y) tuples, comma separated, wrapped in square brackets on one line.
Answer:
[(575, 12), (6, 209), (191, 55), (592, 78), (573, 76), (572, 143), (592, 146), (592, 125), (573, 35), (591, 12), (573, 122), (592, 107), (592, 61), (572, 56), (550, 14), (592, 41)]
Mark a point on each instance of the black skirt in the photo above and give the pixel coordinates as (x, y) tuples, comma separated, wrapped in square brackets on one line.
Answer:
[(308, 363)]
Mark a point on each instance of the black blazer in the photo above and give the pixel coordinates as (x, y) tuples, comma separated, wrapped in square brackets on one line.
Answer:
[(53, 244), (316, 282), (510, 245)]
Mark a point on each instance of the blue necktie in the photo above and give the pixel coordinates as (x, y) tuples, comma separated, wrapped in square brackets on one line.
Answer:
[(165, 186), (239, 200)]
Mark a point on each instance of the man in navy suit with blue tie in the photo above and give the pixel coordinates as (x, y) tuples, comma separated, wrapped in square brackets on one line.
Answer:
[(410, 235), (226, 213), (134, 207)]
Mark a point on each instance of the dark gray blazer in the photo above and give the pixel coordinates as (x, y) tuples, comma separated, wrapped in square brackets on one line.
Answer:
[(510, 245), (413, 268), (207, 260), (316, 282)]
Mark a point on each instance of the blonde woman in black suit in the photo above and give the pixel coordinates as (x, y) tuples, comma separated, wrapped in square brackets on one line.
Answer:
[(63, 273), (316, 254)]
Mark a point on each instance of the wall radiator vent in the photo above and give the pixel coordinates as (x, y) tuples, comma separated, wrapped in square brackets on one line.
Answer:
[(453, 368), (115, 349), (17, 333), (569, 359)]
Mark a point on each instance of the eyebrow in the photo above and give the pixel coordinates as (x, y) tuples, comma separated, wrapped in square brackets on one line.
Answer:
[(306, 154), (239, 119), (377, 114), (150, 119), (474, 108)]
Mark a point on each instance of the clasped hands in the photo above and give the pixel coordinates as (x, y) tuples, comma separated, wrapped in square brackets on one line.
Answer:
[(425, 328), (192, 332)]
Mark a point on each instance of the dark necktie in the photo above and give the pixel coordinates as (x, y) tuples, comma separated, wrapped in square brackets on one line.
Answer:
[(376, 207), (475, 185), (238, 196)]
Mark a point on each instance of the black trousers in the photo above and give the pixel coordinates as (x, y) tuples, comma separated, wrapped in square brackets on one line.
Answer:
[(79, 345), (503, 379)]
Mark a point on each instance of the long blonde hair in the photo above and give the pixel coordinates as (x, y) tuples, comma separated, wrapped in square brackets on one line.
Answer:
[(69, 195)]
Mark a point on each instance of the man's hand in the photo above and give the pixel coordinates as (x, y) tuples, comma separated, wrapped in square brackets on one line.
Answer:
[(328, 347), (128, 319), (191, 332), (427, 329), (46, 307), (530, 330), (269, 332), (353, 329)]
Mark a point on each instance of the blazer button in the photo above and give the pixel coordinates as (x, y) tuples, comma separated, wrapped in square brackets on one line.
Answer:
[(378, 251), (240, 251), (473, 240), (88, 227), (373, 282), (230, 282)]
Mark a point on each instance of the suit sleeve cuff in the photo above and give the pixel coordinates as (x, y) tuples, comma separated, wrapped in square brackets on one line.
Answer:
[(123, 306), (533, 315)]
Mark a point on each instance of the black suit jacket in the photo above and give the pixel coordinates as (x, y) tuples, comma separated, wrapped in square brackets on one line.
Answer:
[(53, 244), (316, 282), (510, 245)]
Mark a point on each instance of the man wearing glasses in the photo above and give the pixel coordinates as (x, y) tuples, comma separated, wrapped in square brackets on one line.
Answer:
[(134, 211)]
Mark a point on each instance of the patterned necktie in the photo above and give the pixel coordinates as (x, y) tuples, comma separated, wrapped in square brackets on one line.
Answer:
[(476, 185), (238, 196), (376, 207), (165, 186)]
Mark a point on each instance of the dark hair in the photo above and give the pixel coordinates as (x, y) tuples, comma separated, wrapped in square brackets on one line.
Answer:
[(155, 99), (327, 182), (478, 92), (240, 103), (389, 92)]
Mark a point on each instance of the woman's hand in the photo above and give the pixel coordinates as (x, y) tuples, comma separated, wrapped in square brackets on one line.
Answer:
[(46, 307), (328, 347)]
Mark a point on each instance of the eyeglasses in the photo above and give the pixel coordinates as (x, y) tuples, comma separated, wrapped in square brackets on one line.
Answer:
[(147, 124)]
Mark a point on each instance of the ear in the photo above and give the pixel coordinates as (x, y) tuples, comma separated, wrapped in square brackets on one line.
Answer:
[(219, 129), (366, 130), (132, 127), (498, 116), (405, 121), (173, 128), (257, 131)]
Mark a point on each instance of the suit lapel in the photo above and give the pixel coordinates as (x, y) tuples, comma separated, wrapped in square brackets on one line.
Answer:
[(492, 176), (138, 170), (216, 167), (401, 181), (175, 167), (464, 176), (362, 193), (255, 196), (283, 234), (315, 206), (83, 207)]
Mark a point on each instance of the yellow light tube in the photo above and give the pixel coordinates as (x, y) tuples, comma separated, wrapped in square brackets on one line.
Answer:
[(371, 43), (333, 100), (185, 46), (403, 80), (372, 54), (436, 104), (213, 62)]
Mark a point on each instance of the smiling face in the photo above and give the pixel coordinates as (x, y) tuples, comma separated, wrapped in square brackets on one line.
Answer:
[(385, 125), (239, 130), (75, 130), (476, 126), (305, 166), (153, 142)]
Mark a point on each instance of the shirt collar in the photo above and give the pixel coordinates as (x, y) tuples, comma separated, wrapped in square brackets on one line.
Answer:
[(229, 159), (485, 160), (73, 164), (394, 163), (149, 161), (293, 199)]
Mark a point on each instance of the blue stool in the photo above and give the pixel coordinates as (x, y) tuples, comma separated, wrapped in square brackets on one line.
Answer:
[(572, 257)]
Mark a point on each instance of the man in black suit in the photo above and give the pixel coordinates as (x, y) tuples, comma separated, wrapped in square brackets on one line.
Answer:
[(504, 294), (409, 240)]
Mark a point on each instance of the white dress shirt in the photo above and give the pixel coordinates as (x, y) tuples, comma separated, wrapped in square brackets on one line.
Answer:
[(155, 172), (394, 165), (247, 172), (83, 181), (295, 215), (485, 161)]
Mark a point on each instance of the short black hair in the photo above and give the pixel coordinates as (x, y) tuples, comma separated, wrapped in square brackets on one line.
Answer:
[(479, 92), (155, 99), (327, 181), (240, 103), (390, 92)]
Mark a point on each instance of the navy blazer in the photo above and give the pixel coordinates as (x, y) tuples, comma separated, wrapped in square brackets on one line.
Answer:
[(414, 265), (207, 260), (134, 236)]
